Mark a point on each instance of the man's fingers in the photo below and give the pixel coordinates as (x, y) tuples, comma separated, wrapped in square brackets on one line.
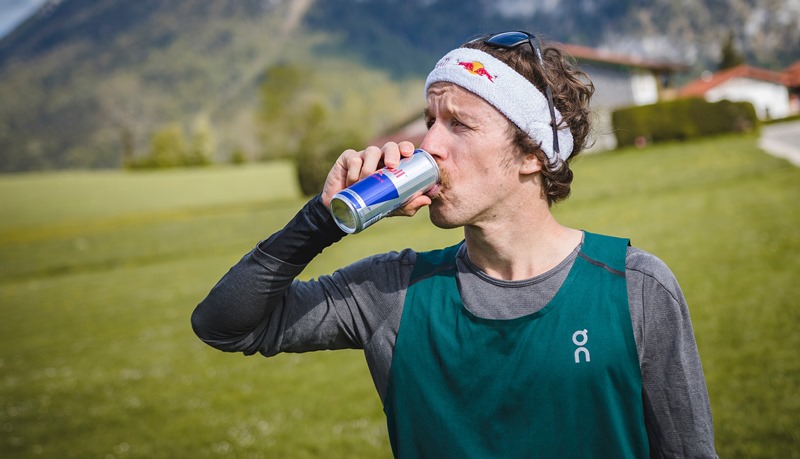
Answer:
[(413, 206), (406, 148), (353, 164), (372, 159)]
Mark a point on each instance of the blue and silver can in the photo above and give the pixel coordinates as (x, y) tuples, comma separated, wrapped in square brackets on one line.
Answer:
[(368, 200)]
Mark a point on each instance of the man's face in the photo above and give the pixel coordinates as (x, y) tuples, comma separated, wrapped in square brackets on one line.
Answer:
[(469, 140)]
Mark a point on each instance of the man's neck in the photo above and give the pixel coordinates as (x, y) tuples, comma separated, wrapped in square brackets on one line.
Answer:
[(532, 244)]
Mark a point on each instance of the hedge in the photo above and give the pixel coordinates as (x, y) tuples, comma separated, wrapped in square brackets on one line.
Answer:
[(681, 119)]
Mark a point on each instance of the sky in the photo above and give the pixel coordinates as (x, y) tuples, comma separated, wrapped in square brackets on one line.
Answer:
[(12, 12)]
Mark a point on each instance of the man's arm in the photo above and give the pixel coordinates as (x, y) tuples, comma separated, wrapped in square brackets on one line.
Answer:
[(245, 309), (258, 306), (676, 405)]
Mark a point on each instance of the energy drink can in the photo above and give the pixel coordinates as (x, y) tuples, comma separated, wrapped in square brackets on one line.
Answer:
[(368, 200)]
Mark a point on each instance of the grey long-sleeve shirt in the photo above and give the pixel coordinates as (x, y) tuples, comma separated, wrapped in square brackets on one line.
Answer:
[(258, 306)]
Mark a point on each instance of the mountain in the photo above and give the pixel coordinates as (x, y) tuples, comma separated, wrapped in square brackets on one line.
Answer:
[(81, 74), (12, 12), (767, 32), (85, 82)]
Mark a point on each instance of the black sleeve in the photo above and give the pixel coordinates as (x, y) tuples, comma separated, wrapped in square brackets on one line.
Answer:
[(310, 231), (246, 303)]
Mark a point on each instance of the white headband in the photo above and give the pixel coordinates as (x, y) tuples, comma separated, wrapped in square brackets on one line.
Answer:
[(508, 91)]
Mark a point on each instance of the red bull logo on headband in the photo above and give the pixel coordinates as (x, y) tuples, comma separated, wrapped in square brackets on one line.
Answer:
[(476, 68)]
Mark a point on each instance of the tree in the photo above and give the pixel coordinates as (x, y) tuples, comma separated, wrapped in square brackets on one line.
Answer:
[(319, 148), (730, 55), (132, 109), (167, 147), (201, 146), (283, 109)]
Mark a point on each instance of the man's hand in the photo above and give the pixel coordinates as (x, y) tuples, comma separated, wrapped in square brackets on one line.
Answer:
[(352, 166)]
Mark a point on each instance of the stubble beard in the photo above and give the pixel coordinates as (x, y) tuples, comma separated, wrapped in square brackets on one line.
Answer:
[(438, 210), (438, 217)]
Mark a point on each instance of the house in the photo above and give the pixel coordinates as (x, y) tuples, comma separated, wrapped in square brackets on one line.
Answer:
[(767, 90), (793, 84), (620, 80), (623, 80)]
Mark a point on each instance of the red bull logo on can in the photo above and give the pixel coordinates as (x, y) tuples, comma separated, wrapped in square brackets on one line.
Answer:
[(476, 68), (396, 172)]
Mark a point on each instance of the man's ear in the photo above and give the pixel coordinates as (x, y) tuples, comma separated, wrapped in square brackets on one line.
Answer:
[(530, 164)]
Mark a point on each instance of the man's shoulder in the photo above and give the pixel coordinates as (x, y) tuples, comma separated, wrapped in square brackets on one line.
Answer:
[(640, 260), (404, 257), (642, 264), (372, 277)]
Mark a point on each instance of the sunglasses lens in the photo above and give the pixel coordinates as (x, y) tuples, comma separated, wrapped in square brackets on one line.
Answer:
[(508, 39)]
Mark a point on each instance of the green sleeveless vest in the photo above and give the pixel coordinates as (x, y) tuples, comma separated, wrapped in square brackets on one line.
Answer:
[(559, 383)]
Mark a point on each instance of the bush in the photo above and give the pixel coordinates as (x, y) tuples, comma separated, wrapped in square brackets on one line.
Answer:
[(170, 148), (238, 156), (316, 155), (682, 119), (322, 141)]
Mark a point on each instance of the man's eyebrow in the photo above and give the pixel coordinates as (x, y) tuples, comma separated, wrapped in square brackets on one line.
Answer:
[(448, 109)]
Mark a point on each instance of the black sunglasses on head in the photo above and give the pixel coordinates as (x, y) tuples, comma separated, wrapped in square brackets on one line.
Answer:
[(510, 40)]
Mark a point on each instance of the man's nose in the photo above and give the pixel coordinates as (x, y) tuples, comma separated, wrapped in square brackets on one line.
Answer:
[(433, 142)]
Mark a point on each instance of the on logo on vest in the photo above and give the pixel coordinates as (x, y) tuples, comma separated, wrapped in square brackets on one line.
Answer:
[(580, 338)]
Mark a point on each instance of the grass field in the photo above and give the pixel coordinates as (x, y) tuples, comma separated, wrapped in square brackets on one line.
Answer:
[(99, 273)]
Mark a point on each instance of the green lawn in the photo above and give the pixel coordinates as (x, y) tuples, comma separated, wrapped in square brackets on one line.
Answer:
[(99, 273)]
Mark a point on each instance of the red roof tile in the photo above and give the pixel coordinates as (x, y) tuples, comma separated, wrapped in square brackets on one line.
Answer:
[(699, 87), (792, 73)]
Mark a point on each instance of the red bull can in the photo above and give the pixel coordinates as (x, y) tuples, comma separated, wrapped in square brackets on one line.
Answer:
[(368, 200)]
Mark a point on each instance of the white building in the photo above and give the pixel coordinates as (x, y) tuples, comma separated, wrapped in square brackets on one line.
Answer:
[(621, 81), (792, 74), (766, 90)]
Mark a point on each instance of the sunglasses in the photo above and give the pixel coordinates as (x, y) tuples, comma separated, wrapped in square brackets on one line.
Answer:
[(510, 40)]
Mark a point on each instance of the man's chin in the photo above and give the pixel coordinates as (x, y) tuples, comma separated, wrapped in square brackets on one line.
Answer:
[(439, 220)]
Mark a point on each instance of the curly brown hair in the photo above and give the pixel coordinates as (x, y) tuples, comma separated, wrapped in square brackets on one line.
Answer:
[(572, 89)]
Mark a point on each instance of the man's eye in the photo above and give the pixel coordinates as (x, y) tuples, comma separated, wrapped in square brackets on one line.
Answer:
[(429, 122)]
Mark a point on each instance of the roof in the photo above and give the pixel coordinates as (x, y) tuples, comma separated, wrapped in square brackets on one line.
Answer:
[(608, 57), (792, 73), (702, 85)]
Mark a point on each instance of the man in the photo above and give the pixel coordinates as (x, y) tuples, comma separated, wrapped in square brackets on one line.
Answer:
[(529, 339)]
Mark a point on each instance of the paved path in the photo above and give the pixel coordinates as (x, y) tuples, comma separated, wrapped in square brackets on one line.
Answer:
[(782, 140)]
